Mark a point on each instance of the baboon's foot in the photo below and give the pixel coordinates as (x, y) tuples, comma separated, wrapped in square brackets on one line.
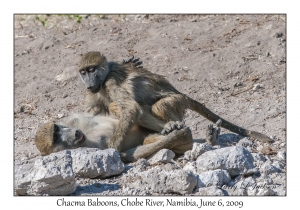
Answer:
[(179, 137), (212, 134), (133, 62), (171, 126)]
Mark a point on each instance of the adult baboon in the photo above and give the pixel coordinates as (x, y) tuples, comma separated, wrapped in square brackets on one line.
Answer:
[(86, 130), (130, 89)]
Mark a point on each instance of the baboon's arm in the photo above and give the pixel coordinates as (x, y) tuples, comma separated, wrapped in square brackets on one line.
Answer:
[(131, 112)]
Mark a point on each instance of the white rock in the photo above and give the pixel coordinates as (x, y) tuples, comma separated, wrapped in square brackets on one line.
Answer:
[(197, 150), (93, 162), (268, 168), (166, 179), (213, 178), (236, 160), (162, 156), (259, 159), (46, 175), (282, 155), (211, 191)]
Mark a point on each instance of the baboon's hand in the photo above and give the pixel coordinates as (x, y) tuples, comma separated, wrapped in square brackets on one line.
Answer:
[(212, 135), (133, 62), (171, 126)]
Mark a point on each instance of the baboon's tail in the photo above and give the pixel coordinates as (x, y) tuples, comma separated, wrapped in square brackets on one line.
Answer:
[(205, 112)]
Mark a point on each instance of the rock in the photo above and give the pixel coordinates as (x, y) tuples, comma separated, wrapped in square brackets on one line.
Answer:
[(213, 178), (268, 168), (60, 116), (93, 162), (167, 179), (278, 165), (141, 164), (162, 156), (245, 142), (281, 155), (197, 150), (236, 160), (228, 139), (46, 175), (211, 191), (256, 86), (259, 159), (264, 191), (234, 191)]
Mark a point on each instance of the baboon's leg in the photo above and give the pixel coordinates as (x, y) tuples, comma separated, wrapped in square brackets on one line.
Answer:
[(175, 140), (212, 134), (170, 108)]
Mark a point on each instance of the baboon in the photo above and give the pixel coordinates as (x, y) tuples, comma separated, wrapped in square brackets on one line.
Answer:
[(131, 89), (86, 130)]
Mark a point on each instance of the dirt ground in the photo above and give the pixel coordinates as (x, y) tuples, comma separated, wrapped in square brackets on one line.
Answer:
[(234, 64)]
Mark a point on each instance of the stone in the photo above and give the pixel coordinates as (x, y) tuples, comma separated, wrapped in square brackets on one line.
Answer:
[(236, 160), (282, 156), (213, 178), (166, 178), (45, 175), (268, 168), (259, 159), (197, 150), (162, 156), (211, 191), (93, 162)]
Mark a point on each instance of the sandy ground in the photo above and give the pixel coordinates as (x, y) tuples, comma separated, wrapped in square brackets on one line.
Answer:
[(234, 64)]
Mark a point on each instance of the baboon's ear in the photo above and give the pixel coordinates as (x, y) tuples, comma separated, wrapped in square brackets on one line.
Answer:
[(44, 138)]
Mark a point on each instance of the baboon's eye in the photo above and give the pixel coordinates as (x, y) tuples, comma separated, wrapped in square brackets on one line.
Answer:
[(91, 69), (82, 72)]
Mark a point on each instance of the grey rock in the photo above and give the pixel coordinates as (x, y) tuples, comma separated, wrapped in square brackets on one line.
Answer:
[(93, 162), (259, 159), (228, 139), (197, 150), (168, 179), (162, 156), (268, 168), (281, 156), (245, 142), (278, 165), (236, 160), (213, 178), (46, 175), (211, 191)]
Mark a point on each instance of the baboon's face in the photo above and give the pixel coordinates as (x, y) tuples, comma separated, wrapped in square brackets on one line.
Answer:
[(66, 138), (93, 77)]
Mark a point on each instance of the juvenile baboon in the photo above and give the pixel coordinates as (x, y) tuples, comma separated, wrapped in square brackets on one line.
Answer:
[(131, 89), (86, 130)]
